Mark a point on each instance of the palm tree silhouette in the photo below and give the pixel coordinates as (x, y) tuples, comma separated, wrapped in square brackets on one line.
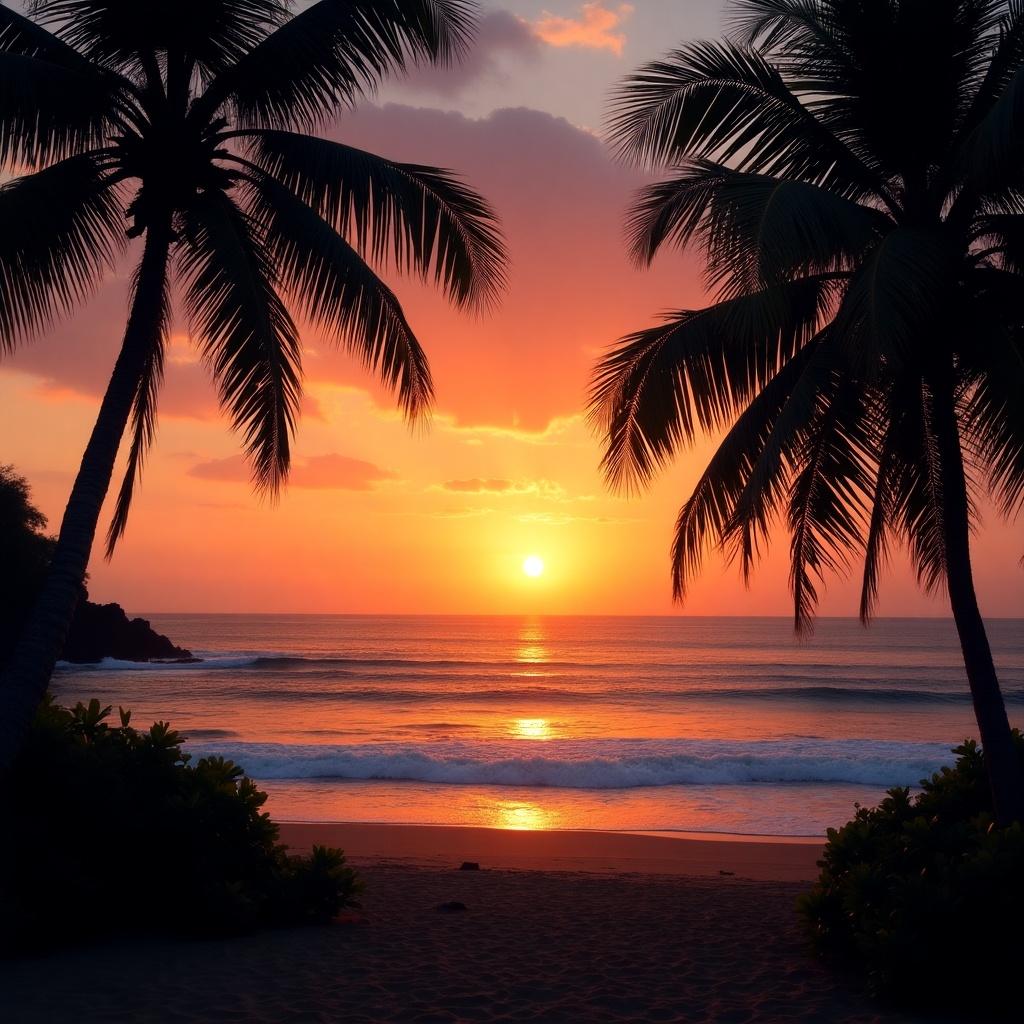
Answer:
[(852, 173), (185, 123)]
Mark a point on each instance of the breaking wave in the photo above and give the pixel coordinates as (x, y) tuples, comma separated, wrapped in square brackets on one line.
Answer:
[(597, 764)]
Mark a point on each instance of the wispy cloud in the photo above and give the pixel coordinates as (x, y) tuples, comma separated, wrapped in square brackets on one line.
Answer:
[(553, 433), (595, 28), (567, 519), (322, 472), (478, 485)]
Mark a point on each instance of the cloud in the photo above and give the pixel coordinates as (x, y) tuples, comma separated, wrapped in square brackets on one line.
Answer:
[(554, 431), (566, 519), (478, 485), (500, 36), (594, 29), (505, 42), (339, 472), (321, 472), (522, 370), (470, 512)]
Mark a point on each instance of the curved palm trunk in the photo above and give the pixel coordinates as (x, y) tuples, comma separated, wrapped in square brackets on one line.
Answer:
[(23, 680), (1005, 773)]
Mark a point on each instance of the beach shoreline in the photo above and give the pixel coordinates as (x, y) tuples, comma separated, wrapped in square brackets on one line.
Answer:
[(757, 858)]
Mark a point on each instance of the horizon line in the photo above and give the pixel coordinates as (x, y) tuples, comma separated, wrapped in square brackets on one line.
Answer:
[(561, 615)]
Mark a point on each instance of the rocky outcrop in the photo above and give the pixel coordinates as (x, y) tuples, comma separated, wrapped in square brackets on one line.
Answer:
[(101, 631)]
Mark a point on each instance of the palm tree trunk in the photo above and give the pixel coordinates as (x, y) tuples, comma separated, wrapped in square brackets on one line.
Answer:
[(23, 680), (1005, 772)]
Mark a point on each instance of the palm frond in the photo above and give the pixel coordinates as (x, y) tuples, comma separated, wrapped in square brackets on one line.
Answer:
[(335, 51), (992, 418), (986, 143), (917, 492), (781, 456), (53, 101), (50, 111), (828, 501), (722, 102), (781, 24), (657, 388), (246, 335), (882, 516), (209, 33), (143, 423), (28, 38), (53, 253), (886, 78), (704, 518), (754, 229), (992, 152), (899, 297), (334, 287), (1002, 234), (420, 219)]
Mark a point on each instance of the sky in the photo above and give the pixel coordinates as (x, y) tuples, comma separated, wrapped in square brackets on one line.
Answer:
[(381, 517)]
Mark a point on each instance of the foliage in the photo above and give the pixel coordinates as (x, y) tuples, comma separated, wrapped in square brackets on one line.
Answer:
[(849, 171), (924, 894), (113, 828), (25, 553)]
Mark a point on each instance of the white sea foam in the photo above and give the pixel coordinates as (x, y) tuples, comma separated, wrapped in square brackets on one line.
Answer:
[(600, 764), (200, 663)]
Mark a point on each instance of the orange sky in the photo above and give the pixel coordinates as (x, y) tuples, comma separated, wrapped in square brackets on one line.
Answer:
[(381, 518)]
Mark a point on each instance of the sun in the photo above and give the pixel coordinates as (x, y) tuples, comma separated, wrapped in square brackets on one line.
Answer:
[(533, 565)]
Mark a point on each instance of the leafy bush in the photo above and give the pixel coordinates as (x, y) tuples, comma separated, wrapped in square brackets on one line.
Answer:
[(925, 894), (114, 829)]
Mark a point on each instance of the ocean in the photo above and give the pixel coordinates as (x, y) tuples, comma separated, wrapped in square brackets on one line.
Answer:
[(649, 724)]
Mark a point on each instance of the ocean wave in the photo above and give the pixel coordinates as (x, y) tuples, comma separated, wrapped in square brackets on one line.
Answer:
[(270, 661), (518, 693), (197, 664), (597, 764), (289, 678)]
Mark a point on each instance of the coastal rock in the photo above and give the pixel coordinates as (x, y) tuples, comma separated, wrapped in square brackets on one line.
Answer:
[(101, 631)]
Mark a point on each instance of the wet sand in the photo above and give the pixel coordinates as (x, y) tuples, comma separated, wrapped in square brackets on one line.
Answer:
[(764, 858), (617, 938)]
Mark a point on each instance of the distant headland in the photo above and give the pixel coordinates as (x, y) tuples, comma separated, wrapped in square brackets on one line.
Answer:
[(101, 631)]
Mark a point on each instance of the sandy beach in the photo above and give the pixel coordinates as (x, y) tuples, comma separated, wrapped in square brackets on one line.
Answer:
[(762, 858), (587, 927)]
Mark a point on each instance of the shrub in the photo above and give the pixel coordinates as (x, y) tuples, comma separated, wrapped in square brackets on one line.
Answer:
[(116, 829), (925, 894)]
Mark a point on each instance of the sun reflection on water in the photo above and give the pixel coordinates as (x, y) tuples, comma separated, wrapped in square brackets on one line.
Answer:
[(532, 645), (522, 817), (531, 729), (532, 654)]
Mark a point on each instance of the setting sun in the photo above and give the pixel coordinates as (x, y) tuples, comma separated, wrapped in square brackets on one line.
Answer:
[(533, 565)]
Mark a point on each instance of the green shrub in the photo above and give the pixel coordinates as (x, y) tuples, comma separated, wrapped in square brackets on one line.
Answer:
[(116, 829), (925, 894)]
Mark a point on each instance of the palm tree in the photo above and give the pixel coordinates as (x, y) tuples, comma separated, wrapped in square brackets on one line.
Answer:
[(186, 123), (853, 173)]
